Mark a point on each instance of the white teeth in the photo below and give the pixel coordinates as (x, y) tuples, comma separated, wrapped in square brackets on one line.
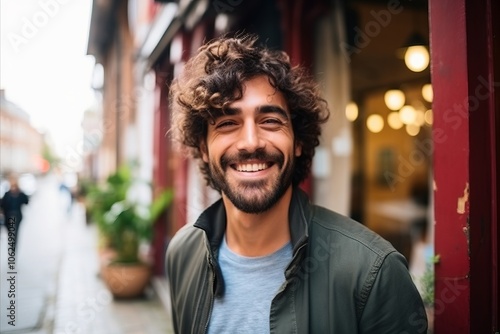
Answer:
[(250, 167)]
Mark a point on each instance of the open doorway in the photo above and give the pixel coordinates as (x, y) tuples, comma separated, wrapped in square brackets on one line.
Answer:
[(392, 151)]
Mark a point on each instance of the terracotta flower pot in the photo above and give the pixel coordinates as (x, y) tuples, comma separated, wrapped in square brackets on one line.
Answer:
[(126, 280)]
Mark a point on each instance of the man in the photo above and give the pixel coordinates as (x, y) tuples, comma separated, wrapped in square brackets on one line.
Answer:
[(11, 205), (263, 259)]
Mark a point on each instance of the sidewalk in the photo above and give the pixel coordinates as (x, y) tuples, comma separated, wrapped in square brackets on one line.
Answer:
[(58, 287)]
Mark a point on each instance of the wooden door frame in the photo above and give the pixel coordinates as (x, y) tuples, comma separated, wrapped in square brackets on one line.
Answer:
[(465, 77)]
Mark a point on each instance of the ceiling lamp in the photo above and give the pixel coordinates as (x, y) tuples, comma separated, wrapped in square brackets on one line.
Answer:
[(407, 114), (416, 55), (351, 111), (375, 123), (427, 92), (419, 117), (394, 121), (394, 99), (417, 58), (428, 117), (412, 129)]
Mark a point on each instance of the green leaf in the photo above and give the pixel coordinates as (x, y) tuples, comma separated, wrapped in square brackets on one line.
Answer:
[(161, 203), (124, 222)]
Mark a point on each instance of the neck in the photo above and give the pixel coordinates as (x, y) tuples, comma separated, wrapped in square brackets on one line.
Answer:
[(258, 234)]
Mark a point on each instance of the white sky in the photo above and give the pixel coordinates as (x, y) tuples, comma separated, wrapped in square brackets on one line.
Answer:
[(44, 68)]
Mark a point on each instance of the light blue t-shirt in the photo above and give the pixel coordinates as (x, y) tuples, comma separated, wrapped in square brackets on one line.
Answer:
[(250, 285)]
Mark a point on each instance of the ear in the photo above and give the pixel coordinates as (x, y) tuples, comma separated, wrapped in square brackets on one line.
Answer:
[(298, 149), (204, 151)]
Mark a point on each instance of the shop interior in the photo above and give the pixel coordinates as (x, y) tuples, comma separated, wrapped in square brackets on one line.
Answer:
[(391, 116)]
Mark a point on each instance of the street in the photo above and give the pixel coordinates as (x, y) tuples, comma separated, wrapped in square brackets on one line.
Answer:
[(53, 285)]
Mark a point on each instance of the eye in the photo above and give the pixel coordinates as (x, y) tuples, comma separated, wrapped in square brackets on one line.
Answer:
[(225, 124), (272, 122)]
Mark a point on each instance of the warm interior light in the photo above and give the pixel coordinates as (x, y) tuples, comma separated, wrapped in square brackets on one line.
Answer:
[(427, 92), (417, 58), (221, 22), (428, 117), (419, 118), (375, 123), (351, 111), (407, 115), (412, 129), (394, 99), (394, 121)]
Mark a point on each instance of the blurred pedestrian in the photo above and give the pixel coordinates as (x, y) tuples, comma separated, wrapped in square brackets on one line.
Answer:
[(11, 204), (67, 194), (263, 258)]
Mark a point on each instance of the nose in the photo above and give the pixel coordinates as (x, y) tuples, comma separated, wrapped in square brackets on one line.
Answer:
[(250, 138)]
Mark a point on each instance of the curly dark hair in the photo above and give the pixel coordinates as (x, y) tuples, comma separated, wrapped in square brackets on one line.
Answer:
[(213, 79)]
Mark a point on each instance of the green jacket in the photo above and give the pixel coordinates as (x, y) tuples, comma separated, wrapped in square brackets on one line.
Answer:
[(343, 278)]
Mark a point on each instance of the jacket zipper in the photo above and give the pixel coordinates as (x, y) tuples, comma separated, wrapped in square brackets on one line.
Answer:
[(294, 259), (211, 302), (283, 287), (287, 279)]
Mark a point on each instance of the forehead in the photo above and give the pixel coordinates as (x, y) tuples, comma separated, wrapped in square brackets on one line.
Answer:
[(258, 91)]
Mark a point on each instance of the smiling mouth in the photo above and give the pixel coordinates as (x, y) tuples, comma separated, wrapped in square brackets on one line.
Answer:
[(251, 167)]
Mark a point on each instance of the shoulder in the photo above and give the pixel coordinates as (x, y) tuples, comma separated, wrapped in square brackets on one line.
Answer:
[(348, 233), (185, 258), (6, 198), (187, 249), (185, 239), (356, 254)]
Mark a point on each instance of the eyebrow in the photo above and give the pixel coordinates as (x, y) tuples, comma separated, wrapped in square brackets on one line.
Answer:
[(264, 109)]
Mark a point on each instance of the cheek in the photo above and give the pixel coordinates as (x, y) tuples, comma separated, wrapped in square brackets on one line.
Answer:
[(216, 147)]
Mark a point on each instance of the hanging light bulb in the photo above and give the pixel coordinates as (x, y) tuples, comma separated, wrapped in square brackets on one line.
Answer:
[(428, 116), (415, 53), (419, 118), (394, 99), (417, 58), (427, 92), (412, 129), (375, 123), (407, 114), (394, 121), (351, 111)]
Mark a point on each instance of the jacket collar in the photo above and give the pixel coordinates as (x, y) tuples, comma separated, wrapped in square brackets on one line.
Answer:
[(213, 221)]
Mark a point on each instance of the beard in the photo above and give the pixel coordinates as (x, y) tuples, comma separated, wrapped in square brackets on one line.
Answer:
[(256, 196)]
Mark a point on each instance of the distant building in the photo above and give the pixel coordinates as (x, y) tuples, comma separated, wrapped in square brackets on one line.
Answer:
[(92, 138), (21, 144)]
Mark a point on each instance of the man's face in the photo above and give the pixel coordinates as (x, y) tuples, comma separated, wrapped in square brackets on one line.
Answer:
[(14, 186), (251, 150)]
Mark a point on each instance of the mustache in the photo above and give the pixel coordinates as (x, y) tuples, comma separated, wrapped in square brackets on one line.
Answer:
[(260, 154)]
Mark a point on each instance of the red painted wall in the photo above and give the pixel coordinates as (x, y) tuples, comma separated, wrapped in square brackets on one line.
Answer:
[(161, 151), (298, 19), (465, 135), (451, 164)]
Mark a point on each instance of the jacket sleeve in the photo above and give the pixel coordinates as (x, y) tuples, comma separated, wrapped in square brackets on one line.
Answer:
[(169, 266), (394, 304)]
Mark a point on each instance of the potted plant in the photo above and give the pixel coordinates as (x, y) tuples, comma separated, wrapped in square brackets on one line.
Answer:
[(124, 223), (427, 282), (101, 197), (129, 223)]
